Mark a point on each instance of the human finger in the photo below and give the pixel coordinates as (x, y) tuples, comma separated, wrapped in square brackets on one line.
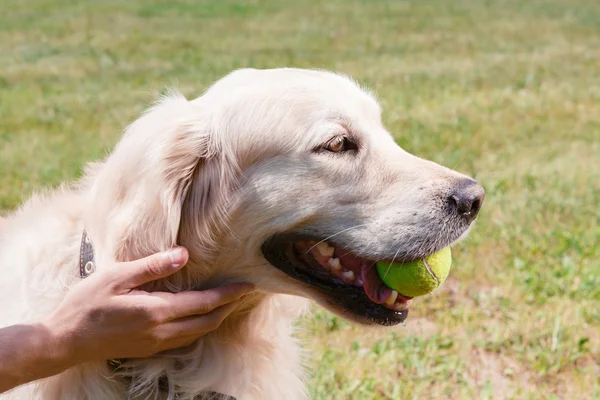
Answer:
[(160, 265), (199, 325), (188, 303)]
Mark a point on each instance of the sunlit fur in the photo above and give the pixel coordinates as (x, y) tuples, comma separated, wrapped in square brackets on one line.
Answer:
[(220, 174)]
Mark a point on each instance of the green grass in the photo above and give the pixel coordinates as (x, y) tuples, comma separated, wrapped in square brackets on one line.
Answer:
[(505, 90)]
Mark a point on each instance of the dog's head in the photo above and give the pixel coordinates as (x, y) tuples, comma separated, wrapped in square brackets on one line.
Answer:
[(286, 178)]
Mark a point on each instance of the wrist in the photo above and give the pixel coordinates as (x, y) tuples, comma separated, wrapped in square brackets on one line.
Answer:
[(29, 352), (55, 346)]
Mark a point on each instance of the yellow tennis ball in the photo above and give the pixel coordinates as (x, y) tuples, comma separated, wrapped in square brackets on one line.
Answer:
[(419, 277)]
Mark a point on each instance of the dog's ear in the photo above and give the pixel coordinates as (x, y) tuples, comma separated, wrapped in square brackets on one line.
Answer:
[(168, 159)]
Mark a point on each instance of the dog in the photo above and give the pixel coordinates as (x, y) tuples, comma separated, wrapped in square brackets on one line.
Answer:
[(269, 176)]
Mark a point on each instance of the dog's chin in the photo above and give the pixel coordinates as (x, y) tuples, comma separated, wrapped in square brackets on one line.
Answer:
[(339, 279), (373, 316)]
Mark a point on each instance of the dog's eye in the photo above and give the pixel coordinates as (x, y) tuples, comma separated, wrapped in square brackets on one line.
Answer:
[(339, 144)]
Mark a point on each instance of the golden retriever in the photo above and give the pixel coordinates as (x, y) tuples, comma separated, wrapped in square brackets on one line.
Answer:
[(285, 178)]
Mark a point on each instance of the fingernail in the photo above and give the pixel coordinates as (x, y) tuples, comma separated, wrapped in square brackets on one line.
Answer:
[(177, 257)]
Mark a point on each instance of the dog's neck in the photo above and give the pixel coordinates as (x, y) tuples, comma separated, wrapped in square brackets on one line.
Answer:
[(252, 355), (252, 349)]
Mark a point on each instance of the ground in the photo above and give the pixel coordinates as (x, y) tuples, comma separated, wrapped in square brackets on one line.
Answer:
[(507, 91)]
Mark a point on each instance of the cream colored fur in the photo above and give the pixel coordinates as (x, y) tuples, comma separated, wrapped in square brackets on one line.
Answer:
[(219, 175)]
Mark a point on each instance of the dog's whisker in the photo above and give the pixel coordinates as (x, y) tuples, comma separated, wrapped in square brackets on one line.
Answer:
[(335, 234), (391, 263), (373, 237)]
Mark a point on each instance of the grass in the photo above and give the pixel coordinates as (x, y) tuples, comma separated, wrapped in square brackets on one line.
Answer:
[(505, 90)]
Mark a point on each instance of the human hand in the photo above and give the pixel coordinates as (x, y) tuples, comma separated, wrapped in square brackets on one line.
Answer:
[(106, 317)]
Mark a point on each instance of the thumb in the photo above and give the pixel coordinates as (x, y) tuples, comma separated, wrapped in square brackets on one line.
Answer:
[(135, 273)]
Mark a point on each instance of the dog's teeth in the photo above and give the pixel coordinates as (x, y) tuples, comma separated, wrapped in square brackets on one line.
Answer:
[(399, 306), (325, 250), (335, 264), (359, 282), (392, 298), (348, 275)]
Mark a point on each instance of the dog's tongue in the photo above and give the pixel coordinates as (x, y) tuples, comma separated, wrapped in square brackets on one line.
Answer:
[(374, 287)]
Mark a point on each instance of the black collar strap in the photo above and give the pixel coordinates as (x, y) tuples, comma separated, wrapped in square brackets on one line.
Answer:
[(87, 266), (87, 262)]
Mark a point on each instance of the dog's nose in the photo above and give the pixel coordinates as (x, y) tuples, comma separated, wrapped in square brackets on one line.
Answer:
[(466, 199)]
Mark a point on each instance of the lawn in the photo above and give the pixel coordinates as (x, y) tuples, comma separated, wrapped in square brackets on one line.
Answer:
[(507, 91)]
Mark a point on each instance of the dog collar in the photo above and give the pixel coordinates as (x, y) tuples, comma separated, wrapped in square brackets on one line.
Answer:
[(87, 262), (87, 266)]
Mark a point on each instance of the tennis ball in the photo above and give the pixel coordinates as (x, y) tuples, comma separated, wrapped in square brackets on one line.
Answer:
[(419, 277)]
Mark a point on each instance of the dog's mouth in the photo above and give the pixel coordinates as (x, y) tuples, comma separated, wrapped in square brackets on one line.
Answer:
[(338, 266), (348, 281)]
